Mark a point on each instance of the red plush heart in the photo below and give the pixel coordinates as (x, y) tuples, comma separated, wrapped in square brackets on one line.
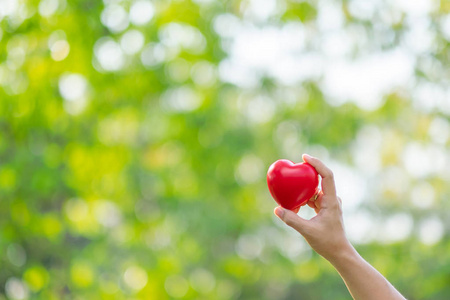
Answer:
[(292, 185)]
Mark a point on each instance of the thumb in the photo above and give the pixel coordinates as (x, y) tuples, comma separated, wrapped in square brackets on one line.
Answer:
[(291, 219)]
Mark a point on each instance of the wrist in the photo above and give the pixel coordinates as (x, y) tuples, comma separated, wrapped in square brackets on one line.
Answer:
[(343, 253)]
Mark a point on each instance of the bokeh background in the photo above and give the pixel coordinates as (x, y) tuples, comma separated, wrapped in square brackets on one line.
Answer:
[(135, 136)]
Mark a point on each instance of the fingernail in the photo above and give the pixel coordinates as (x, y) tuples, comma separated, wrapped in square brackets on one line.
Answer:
[(279, 211), (307, 156)]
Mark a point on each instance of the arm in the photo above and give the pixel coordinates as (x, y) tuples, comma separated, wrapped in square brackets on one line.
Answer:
[(326, 235)]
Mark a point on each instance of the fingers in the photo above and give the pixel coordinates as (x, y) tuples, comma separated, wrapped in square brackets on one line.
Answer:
[(314, 206), (315, 201), (316, 196), (291, 219), (328, 186)]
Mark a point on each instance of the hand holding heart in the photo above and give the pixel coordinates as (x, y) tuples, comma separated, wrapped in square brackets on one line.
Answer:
[(326, 235), (325, 232)]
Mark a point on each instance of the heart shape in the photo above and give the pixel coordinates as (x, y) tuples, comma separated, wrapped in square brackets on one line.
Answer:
[(292, 185)]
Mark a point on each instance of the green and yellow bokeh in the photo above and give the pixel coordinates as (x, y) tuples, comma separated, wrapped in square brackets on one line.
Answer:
[(135, 137)]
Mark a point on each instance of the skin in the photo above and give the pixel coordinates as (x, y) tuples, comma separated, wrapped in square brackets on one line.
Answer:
[(325, 233)]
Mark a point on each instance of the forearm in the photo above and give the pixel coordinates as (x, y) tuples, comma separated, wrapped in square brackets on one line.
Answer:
[(363, 281)]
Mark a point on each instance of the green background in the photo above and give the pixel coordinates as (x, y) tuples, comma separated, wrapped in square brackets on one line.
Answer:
[(124, 191)]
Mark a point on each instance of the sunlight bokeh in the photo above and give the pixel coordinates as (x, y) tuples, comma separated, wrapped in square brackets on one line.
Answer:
[(136, 136)]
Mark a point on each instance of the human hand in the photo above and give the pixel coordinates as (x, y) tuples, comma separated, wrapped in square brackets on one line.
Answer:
[(325, 232)]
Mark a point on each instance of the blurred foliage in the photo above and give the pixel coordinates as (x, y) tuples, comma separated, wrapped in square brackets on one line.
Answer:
[(131, 170)]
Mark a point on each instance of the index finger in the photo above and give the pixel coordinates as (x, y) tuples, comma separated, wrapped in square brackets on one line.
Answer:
[(328, 186)]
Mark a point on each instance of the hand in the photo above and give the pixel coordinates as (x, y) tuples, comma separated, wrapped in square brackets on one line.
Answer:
[(325, 232), (326, 235)]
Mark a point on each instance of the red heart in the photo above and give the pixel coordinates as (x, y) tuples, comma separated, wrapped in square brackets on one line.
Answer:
[(292, 185)]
